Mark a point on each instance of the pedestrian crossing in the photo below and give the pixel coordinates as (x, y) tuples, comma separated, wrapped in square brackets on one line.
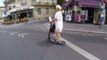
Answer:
[(17, 34)]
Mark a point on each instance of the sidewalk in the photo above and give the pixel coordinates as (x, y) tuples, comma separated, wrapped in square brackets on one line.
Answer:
[(89, 28)]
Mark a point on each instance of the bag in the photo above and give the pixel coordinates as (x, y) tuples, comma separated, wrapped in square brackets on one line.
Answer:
[(52, 28)]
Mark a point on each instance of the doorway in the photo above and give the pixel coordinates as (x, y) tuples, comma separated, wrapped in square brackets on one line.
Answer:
[(90, 15)]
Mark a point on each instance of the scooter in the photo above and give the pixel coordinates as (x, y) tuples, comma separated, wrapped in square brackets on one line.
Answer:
[(52, 30)]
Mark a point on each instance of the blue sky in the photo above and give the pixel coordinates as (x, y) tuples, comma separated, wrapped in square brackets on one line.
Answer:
[(1, 2)]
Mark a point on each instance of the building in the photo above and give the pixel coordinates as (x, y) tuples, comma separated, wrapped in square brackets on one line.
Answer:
[(1, 11), (44, 8), (106, 10), (39, 9), (18, 9), (89, 9)]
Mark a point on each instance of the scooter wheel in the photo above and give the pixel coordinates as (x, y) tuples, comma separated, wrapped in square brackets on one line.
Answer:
[(63, 43)]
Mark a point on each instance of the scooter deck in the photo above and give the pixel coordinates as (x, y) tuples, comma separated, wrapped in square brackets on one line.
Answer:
[(53, 41)]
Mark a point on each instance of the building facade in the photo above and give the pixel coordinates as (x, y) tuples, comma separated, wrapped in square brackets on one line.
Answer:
[(16, 9), (106, 11), (44, 8), (1, 11), (88, 9)]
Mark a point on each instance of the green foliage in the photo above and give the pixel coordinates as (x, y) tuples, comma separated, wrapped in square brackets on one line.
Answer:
[(60, 2)]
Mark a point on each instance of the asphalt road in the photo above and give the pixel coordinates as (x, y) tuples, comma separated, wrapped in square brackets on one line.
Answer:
[(28, 42)]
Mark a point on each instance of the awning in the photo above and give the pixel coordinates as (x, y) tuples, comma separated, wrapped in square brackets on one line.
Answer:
[(20, 8), (14, 9), (89, 3), (83, 3), (105, 1), (68, 3), (6, 14), (27, 7)]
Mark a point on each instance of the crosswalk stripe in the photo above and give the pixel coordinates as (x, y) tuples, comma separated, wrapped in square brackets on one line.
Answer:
[(80, 50)]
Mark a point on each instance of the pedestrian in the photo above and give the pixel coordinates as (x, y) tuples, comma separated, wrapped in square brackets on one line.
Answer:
[(67, 17), (101, 20), (102, 17), (58, 19)]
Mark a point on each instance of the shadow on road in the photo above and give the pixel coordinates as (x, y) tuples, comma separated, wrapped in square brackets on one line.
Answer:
[(44, 43)]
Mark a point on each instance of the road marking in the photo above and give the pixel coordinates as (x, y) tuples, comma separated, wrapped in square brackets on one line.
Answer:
[(13, 33), (25, 33), (80, 51), (105, 38), (22, 36), (19, 35)]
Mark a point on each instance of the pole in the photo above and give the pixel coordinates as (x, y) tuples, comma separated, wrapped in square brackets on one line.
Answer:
[(75, 11)]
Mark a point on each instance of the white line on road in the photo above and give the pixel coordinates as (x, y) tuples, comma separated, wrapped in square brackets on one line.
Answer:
[(22, 36), (13, 33), (25, 33), (80, 50), (105, 38), (19, 35)]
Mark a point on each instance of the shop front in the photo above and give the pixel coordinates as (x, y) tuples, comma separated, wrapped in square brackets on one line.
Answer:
[(87, 9), (20, 14), (106, 11)]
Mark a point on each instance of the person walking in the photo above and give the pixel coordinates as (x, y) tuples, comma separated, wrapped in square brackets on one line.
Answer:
[(101, 20)]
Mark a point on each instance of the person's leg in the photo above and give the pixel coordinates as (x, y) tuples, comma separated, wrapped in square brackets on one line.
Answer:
[(58, 36)]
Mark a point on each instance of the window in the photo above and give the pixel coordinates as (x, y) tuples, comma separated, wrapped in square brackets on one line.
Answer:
[(47, 10), (23, 2), (38, 1), (53, 2), (46, 1), (39, 11)]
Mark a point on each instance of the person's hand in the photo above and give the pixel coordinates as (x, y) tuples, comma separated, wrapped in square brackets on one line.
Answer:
[(50, 19)]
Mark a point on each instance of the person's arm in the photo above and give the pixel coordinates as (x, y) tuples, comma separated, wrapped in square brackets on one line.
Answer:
[(56, 17)]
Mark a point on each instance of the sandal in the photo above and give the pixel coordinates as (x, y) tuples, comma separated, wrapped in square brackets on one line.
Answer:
[(58, 42)]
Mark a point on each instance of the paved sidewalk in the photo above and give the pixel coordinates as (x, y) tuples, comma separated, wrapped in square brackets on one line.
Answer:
[(89, 28)]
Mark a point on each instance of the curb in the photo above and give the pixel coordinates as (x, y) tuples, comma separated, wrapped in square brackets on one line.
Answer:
[(85, 31)]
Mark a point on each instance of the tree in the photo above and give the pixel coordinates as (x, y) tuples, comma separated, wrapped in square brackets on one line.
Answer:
[(60, 2)]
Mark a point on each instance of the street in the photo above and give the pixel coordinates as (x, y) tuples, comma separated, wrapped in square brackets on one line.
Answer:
[(28, 41)]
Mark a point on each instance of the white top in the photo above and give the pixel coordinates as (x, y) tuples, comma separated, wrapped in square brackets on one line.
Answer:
[(59, 21), (102, 15)]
